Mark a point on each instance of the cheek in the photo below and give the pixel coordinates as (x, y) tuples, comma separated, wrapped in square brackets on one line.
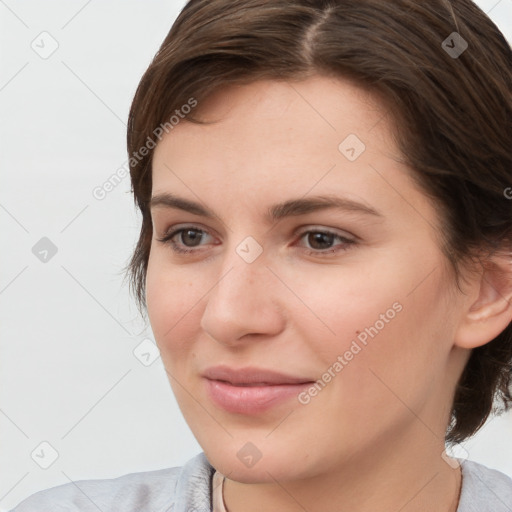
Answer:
[(171, 298), (335, 305), (380, 322)]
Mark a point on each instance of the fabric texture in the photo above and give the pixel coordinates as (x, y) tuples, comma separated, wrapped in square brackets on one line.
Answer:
[(191, 488)]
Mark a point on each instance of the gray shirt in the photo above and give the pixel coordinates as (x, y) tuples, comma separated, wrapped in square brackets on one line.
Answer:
[(189, 489)]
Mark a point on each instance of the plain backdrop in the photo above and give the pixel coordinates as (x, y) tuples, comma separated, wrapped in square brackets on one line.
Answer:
[(73, 374)]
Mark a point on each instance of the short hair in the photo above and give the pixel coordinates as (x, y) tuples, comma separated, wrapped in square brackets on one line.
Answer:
[(442, 67)]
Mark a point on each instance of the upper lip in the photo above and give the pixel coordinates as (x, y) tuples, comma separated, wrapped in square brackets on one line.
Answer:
[(251, 375)]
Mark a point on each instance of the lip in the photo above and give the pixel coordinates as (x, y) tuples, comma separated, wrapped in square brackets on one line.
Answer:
[(251, 390), (252, 375)]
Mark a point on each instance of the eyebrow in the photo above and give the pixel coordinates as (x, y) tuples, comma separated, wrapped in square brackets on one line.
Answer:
[(291, 207)]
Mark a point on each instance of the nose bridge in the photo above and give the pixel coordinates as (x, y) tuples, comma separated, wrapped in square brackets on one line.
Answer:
[(244, 267), (243, 300)]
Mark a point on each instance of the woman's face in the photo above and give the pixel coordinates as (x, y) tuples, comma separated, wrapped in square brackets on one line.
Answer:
[(355, 296)]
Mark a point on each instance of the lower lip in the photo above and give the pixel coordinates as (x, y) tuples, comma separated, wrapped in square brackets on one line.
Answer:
[(251, 399)]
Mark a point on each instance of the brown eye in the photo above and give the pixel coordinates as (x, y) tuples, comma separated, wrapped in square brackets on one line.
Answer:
[(190, 237), (183, 240), (320, 241)]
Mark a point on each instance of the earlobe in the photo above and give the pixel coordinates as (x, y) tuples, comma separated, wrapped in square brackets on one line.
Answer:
[(491, 312)]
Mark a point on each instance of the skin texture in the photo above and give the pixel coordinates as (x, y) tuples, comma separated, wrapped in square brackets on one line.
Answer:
[(373, 437)]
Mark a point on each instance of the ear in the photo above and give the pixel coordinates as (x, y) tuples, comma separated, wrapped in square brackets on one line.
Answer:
[(489, 306)]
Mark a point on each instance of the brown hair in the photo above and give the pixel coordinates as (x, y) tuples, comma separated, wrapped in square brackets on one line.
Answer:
[(453, 116)]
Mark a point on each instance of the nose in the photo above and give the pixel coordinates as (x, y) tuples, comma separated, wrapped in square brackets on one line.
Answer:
[(245, 301)]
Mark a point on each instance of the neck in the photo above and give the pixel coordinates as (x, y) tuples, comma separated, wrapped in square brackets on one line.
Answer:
[(389, 477)]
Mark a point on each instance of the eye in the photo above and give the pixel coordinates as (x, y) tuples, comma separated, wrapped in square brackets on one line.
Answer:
[(188, 236), (321, 242)]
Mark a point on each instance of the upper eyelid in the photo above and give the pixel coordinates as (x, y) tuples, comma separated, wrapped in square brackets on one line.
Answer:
[(178, 228)]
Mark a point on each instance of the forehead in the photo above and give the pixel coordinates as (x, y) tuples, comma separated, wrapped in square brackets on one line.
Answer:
[(318, 94), (273, 140), (275, 125)]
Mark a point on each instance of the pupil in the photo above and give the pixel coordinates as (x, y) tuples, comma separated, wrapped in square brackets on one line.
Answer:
[(321, 238), (194, 237)]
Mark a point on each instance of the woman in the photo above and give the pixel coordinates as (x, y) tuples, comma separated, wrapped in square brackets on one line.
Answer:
[(324, 255)]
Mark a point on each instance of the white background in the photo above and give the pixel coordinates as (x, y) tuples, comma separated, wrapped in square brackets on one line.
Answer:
[(68, 374)]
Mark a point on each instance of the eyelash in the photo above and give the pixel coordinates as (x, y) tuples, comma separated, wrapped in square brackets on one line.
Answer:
[(167, 239)]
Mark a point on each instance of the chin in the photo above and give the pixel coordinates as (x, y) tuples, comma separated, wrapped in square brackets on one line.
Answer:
[(270, 467)]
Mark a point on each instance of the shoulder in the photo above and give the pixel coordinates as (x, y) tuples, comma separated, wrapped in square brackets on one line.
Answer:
[(151, 490), (484, 489), (128, 492)]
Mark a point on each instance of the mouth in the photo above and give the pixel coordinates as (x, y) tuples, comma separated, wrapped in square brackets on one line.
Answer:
[(251, 390), (252, 376), (242, 385)]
